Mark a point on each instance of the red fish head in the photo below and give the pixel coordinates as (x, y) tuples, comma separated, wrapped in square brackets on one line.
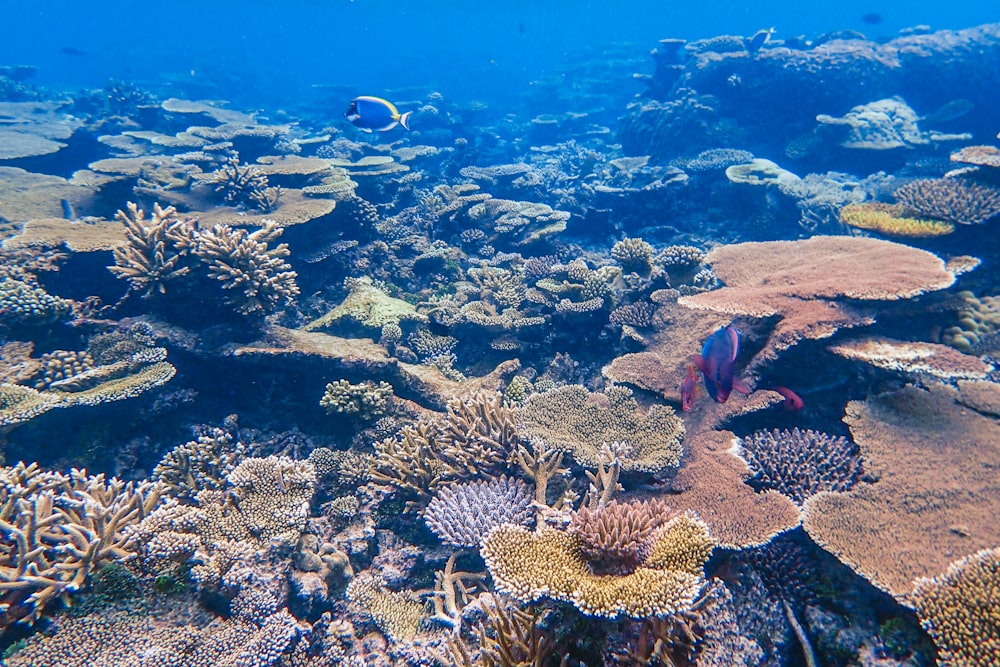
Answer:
[(793, 402)]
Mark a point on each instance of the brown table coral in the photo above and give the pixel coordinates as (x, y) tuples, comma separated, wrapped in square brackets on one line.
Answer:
[(814, 285), (937, 497)]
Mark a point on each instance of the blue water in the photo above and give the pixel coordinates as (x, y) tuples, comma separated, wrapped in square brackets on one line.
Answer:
[(274, 54)]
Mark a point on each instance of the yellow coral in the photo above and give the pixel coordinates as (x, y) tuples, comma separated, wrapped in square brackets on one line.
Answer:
[(550, 563), (890, 219), (397, 615), (958, 609)]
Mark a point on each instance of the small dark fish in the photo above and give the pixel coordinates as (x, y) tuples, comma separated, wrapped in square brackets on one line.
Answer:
[(374, 113), (72, 51), (793, 402), (717, 363), (759, 39), (67, 209), (949, 111), (871, 18)]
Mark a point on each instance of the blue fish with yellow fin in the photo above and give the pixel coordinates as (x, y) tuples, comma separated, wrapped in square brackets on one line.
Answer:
[(374, 113)]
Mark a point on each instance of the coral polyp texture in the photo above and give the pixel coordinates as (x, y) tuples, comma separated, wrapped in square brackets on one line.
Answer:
[(958, 609), (951, 199), (549, 563), (891, 220)]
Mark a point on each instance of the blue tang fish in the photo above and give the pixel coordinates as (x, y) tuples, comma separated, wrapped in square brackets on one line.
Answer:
[(717, 363), (374, 113)]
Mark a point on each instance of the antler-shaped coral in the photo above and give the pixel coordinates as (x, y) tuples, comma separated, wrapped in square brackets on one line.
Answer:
[(155, 248)]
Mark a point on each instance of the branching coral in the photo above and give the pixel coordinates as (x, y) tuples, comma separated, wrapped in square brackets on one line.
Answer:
[(245, 186), (461, 514), (800, 464), (56, 529), (256, 277), (199, 464), (155, 249), (366, 400), (951, 199), (23, 303), (633, 254), (617, 537), (397, 615)]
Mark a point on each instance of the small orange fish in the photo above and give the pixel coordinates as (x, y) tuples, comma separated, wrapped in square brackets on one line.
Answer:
[(689, 388)]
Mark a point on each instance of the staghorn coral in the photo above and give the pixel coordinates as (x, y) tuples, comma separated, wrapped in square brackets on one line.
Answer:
[(800, 464), (256, 278), (616, 538), (156, 248), (461, 514), (937, 497), (680, 256), (952, 199), (958, 609), (572, 419), (56, 529), (548, 563), (817, 285), (891, 220), (366, 400), (245, 187)]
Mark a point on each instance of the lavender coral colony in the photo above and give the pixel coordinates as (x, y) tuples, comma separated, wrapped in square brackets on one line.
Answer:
[(690, 378)]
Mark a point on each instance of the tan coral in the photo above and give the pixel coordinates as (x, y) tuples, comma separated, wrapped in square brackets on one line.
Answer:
[(56, 529), (254, 273), (958, 610), (155, 250), (936, 498), (548, 563), (574, 420), (915, 357), (817, 285)]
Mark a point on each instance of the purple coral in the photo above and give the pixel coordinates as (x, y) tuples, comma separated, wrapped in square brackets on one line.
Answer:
[(799, 464), (461, 514)]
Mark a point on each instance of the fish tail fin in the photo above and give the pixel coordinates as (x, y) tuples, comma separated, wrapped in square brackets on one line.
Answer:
[(404, 120)]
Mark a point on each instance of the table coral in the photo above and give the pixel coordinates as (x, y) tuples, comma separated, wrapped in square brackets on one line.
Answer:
[(936, 498), (548, 563), (817, 285), (891, 220), (914, 357), (574, 420), (953, 199)]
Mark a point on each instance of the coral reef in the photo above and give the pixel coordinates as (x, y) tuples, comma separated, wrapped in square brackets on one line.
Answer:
[(891, 220), (365, 401), (950, 199), (957, 609), (156, 248)]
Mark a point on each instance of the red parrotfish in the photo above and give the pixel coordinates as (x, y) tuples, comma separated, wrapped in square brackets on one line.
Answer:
[(689, 389), (793, 402), (717, 363)]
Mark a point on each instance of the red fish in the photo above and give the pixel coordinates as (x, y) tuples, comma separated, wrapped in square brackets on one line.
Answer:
[(793, 402), (717, 364), (689, 389)]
